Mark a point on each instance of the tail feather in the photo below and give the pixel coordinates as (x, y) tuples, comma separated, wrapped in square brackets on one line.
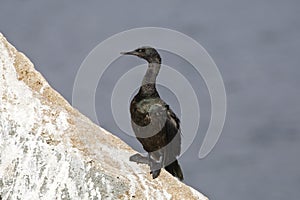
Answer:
[(175, 170)]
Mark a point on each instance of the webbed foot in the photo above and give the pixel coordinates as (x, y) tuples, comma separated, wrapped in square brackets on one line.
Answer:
[(155, 173)]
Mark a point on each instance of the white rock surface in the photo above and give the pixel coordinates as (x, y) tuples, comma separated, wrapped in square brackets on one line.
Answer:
[(48, 150)]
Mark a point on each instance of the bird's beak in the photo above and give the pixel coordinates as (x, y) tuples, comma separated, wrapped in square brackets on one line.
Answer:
[(129, 53)]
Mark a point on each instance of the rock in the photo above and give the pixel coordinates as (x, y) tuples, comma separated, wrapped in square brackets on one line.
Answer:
[(48, 150)]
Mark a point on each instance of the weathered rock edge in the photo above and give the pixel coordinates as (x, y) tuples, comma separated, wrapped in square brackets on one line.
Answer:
[(49, 150)]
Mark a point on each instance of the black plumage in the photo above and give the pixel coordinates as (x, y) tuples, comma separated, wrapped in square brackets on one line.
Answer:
[(155, 125)]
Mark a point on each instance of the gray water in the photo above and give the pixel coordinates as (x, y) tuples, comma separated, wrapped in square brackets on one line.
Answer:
[(256, 45)]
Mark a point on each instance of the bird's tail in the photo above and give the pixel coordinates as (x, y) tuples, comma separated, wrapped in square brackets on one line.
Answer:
[(175, 170)]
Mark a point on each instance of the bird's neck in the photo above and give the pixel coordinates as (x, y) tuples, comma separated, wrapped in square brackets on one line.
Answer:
[(149, 81)]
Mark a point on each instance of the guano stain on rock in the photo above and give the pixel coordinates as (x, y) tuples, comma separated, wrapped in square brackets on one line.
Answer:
[(49, 150)]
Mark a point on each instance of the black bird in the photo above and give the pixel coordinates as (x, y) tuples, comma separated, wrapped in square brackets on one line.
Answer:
[(155, 125)]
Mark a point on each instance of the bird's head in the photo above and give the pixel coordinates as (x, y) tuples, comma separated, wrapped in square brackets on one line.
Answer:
[(148, 53)]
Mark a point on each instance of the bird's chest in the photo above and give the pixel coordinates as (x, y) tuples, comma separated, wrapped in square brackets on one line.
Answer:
[(148, 117), (139, 111)]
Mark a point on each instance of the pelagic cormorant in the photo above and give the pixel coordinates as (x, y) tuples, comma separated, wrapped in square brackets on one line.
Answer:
[(154, 123)]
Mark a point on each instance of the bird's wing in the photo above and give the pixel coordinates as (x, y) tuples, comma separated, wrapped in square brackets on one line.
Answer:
[(164, 118), (173, 133), (158, 117)]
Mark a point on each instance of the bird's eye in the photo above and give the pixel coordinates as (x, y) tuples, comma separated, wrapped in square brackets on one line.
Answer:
[(141, 50)]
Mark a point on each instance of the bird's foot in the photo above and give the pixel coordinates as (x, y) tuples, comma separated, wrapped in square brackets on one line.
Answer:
[(140, 159), (155, 168), (155, 173)]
